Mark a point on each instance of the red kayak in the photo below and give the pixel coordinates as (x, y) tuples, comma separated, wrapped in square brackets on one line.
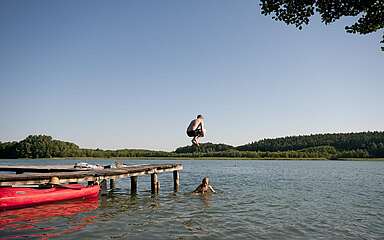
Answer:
[(19, 197)]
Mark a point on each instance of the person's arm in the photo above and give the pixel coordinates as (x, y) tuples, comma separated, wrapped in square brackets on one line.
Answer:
[(190, 126), (203, 131), (202, 125), (213, 190), (198, 189)]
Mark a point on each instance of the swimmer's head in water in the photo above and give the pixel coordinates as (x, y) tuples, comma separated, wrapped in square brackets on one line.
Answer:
[(205, 180)]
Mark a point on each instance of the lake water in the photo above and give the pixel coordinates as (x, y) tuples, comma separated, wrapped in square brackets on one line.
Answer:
[(255, 200)]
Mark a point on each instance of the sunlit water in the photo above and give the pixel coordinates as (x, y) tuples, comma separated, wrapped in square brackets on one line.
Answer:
[(255, 200)]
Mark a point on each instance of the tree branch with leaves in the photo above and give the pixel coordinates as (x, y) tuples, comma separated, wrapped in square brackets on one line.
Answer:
[(370, 13)]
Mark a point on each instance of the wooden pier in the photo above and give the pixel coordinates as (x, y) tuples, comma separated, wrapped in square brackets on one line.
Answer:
[(29, 175)]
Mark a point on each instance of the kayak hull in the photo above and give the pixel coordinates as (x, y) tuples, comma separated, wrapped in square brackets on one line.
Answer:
[(15, 197)]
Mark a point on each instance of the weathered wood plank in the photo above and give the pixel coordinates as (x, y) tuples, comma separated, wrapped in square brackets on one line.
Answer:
[(133, 185), (103, 187), (87, 175), (176, 181), (154, 183), (112, 184), (39, 168)]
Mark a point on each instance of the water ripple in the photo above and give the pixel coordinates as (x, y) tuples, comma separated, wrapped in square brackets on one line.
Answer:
[(255, 200)]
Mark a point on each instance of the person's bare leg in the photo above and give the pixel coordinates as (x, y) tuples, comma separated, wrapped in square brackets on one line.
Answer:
[(201, 134), (194, 141), (197, 140)]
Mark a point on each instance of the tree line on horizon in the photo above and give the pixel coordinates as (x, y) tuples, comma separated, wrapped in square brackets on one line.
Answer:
[(42, 146), (325, 146)]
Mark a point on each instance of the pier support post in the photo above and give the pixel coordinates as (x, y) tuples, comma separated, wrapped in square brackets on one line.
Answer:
[(176, 181), (112, 184), (133, 185), (155, 185), (103, 186)]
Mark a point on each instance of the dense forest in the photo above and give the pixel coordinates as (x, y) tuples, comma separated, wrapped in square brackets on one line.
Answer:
[(317, 146), (367, 144), (41, 146)]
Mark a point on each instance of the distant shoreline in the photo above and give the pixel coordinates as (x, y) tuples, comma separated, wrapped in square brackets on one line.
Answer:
[(343, 146), (200, 158)]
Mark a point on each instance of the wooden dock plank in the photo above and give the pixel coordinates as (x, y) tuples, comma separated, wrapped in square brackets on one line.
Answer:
[(38, 168), (87, 175)]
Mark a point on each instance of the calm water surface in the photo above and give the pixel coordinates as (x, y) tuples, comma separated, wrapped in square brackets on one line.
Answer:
[(255, 200)]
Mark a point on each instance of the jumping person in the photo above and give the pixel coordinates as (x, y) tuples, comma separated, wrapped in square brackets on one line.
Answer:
[(204, 187), (196, 129)]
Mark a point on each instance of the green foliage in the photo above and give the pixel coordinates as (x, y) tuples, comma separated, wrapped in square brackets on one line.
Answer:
[(41, 146), (330, 146), (205, 148), (370, 13), (253, 154), (372, 142), (8, 150), (359, 153)]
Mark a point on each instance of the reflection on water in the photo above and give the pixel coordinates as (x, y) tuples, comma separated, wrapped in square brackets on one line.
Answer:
[(206, 199), (37, 221), (255, 200)]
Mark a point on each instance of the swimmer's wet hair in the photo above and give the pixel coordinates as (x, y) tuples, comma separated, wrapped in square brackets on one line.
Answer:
[(199, 116), (205, 180)]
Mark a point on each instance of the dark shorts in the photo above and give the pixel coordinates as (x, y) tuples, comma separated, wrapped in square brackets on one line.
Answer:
[(195, 133)]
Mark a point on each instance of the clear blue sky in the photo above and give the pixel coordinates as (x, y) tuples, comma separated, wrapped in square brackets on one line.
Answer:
[(132, 74)]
